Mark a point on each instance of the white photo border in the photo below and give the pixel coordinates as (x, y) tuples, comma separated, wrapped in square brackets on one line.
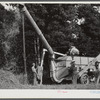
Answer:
[(43, 93)]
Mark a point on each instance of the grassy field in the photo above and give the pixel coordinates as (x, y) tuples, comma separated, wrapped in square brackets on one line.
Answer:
[(67, 86), (9, 81)]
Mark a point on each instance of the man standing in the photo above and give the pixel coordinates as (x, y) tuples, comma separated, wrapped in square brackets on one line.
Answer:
[(73, 51), (38, 72), (97, 65), (34, 73)]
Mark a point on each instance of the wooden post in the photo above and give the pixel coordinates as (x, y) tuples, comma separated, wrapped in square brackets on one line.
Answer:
[(24, 52), (34, 75), (38, 51)]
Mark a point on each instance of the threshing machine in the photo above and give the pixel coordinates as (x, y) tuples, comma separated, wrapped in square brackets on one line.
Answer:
[(60, 68)]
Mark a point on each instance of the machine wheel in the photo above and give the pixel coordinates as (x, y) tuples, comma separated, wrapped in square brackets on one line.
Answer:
[(84, 79)]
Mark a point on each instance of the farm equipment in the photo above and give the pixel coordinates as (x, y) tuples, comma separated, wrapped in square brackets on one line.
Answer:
[(61, 68)]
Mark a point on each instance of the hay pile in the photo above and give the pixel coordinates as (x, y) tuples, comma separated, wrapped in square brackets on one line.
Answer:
[(9, 81)]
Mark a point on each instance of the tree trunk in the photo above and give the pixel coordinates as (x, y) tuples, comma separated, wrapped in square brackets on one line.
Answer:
[(34, 75)]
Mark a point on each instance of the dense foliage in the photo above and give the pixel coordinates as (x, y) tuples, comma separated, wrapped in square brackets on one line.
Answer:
[(62, 25)]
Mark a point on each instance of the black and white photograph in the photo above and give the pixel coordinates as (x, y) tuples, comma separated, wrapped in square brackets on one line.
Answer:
[(50, 46)]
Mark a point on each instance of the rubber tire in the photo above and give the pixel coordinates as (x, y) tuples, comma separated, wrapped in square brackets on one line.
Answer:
[(84, 79)]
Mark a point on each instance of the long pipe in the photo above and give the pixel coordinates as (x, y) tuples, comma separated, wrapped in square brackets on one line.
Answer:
[(61, 54), (42, 38), (44, 41)]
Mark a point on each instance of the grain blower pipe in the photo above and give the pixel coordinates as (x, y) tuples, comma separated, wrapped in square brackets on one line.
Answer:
[(42, 38)]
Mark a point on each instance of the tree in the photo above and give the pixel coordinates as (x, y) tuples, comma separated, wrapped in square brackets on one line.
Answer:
[(90, 28), (9, 29)]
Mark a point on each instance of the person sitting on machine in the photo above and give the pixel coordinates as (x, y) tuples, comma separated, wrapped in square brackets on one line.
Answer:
[(73, 51)]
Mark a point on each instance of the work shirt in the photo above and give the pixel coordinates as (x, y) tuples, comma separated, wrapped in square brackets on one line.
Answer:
[(74, 51)]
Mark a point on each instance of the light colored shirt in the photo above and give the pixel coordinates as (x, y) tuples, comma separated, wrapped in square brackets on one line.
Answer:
[(74, 51)]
